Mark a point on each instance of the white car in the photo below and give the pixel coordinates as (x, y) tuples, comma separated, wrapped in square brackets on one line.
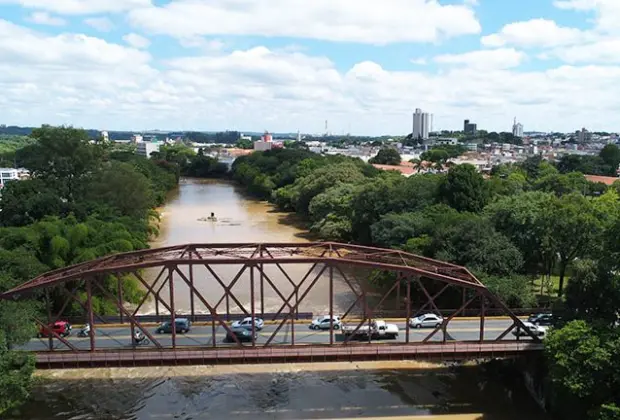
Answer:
[(247, 323), (426, 320), (538, 330), (322, 323)]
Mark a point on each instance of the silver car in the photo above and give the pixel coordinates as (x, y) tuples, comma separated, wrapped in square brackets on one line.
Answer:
[(426, 321), (323, 323)]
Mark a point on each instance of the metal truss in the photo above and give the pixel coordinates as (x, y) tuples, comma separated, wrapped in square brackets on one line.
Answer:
[(177, 263)]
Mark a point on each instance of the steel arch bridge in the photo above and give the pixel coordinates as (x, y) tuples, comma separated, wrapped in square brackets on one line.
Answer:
[(177, 270)]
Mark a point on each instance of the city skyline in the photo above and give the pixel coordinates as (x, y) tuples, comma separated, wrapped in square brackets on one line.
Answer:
[(237, 64)]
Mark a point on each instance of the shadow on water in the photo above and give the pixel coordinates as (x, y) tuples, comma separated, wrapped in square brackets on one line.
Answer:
[(443, 393)]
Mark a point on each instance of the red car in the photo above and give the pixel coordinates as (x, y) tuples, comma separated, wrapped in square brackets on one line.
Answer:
[(62, 328)]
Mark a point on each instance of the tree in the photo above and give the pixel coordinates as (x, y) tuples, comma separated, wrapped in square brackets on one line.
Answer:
[(522, 219), (396, 229), (62, 156), (16, 327), (120, 187), (575, 227), (561, 184), (583, 367), (593, 293), (386, 156), (464, 189), (610, 154), (28, 201)]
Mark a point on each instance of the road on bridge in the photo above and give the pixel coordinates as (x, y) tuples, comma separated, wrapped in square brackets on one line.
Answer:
[(119, 337)]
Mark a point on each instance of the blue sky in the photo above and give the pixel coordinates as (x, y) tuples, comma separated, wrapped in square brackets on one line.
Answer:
[(288, 65)]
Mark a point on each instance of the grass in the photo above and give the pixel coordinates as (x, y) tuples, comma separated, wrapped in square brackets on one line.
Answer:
[(555, 280)]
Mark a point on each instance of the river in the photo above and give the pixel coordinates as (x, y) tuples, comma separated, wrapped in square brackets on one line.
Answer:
[(395, 390)]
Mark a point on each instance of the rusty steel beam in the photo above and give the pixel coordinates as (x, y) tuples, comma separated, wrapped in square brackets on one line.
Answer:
[(131, 318), (434, 297), (210, 308), (149, 291), (369, 314), (290, 315), (242, 253), (91, 322), (67, 300), (431, 301), (173, 323), (228, 289), (444, 324)]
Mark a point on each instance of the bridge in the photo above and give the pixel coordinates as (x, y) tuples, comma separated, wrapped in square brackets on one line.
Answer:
[(220, 283)]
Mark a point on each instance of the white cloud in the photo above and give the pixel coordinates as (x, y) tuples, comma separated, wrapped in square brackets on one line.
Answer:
[(419, 61), (502, 58), (136, 41), (101, 24), (80, 7), (364, 21), (86, 81), (576, 4), (535, 33), (43, 18), (607, 12), (604, 51)]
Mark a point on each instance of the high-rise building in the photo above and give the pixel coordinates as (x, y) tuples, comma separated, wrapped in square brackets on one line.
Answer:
[(584, 136), (470, 128), (421, 124), (517, 128)]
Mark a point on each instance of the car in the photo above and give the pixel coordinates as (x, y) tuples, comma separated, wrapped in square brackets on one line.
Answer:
[(426, 320), (183, 325), (545, 319), (62, 328), (536, 329), (247, 323), (323, 323), (242, 334)]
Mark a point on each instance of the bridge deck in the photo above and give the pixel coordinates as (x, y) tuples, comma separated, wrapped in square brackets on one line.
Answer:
[(312, 353)]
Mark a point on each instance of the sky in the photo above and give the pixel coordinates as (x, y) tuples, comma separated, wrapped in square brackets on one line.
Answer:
[(289, 65)]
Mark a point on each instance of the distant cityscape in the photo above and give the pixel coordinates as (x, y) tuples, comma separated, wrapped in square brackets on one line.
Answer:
[(482, 149)]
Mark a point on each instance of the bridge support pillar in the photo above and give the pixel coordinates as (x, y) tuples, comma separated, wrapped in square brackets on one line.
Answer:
[(119, 286), (48, 304), (89, 306), (407, 327), (252, 306), (173, 323), (482, 310), (191, 290), (331, 304)]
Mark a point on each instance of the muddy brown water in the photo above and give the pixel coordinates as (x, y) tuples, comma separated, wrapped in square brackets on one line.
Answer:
[(395, 390)]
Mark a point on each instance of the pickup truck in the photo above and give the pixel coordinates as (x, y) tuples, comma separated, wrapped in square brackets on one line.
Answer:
[(378, 330)]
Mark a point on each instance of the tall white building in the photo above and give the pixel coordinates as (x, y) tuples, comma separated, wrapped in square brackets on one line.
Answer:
[(517, 129), (421, 124)]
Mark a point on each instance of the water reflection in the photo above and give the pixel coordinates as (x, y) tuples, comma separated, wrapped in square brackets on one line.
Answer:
[(344, 391)]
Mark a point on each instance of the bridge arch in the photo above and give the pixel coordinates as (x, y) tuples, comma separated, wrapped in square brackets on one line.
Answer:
[(176, 265)]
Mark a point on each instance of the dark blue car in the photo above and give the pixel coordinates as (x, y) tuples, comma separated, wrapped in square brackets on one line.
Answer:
[(183, 325)]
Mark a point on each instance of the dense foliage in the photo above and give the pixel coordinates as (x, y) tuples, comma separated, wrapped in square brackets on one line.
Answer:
[(386, 156), (84, 200), (606, 163), (525, 222)]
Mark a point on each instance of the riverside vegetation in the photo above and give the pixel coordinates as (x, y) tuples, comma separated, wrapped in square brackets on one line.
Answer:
[(527, 221), (84, 200)]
